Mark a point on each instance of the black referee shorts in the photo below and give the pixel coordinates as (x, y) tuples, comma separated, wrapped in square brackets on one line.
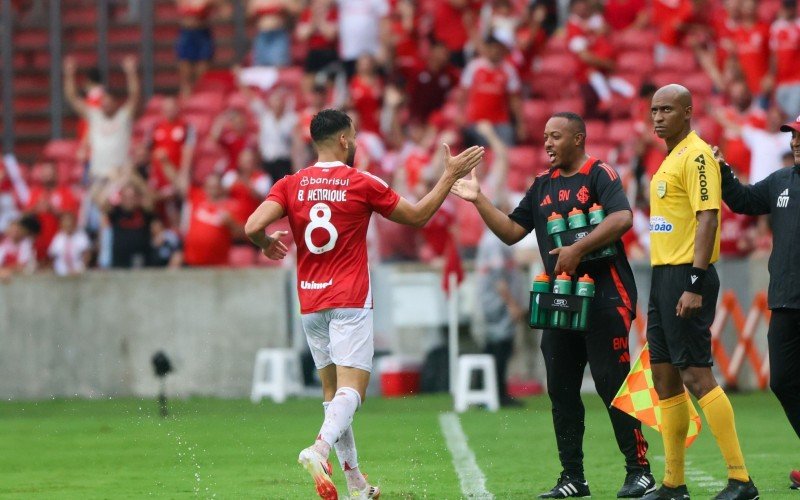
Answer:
[(679, 341)]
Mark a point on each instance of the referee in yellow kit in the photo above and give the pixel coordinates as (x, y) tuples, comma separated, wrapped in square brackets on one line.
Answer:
[(684, 244)]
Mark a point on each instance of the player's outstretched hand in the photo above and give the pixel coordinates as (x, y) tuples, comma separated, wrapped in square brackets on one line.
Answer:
[(276, 250), (461, 165), (467, 188)]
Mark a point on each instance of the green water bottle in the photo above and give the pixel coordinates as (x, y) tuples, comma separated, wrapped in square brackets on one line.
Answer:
[(539, 317), (556, 224), (584, 288), (561, 286), (576, 219), (596, 216)]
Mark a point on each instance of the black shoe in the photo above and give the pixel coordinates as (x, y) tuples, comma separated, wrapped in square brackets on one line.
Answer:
[(568, 487), (738, 490), (637, 484), (667, 493)]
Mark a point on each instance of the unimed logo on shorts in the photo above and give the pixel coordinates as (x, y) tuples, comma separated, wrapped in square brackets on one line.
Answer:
[(659, 224), (313, 285)]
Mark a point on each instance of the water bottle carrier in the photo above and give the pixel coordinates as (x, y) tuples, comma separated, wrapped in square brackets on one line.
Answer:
[(556, 302)]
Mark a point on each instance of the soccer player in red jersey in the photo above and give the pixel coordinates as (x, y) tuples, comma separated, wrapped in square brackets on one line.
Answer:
[(329, 205)]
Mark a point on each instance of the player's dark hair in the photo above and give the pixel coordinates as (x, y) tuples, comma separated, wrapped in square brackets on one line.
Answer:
[(30, 223), (573, 118), (327, 123)]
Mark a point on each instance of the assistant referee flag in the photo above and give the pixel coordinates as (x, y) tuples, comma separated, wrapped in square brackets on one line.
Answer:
[(638, 398)]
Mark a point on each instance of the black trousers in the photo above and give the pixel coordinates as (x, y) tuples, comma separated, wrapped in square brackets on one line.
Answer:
[(605, 348), (501, 351), (784, 362)]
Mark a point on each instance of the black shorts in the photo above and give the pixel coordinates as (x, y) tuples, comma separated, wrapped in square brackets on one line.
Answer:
[(319, 59), (678, 341)]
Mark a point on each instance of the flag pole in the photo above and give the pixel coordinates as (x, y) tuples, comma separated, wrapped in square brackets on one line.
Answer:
[(452, 329)]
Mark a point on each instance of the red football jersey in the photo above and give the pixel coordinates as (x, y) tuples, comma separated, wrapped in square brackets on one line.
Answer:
[(784, 41), (329, 206), (170, 136), (488, 90), (752, 48)]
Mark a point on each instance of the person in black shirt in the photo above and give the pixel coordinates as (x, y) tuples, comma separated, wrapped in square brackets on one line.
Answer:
[(129, 220), (579, 180), (778, 195)]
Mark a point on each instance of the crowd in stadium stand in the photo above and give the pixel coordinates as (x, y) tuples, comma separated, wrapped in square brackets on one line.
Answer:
[(170, 182)]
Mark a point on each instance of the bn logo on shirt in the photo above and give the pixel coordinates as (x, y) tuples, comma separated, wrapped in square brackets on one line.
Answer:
[(783, 199)]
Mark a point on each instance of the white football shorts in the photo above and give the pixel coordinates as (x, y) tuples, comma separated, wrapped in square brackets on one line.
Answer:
[(340, 336)]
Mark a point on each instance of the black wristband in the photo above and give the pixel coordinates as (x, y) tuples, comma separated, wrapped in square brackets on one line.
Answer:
[(695, 280)]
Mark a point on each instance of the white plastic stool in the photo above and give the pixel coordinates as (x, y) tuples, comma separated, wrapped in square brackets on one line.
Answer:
[(487, 395), (276, 375)]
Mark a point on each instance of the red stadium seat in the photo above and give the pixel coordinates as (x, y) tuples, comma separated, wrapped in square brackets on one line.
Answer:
[(242, 256), (602, 151), (638, 62), (699, 84), (596, 131), (519, 182), (536, 113), (206, 165), (64, 150), (209, 102), (525, 159), (575, 105), (217, 81), (634, 39), (621, 131), (561, 65), (666, 77), (154, 105), (200, 121), (680, 60)]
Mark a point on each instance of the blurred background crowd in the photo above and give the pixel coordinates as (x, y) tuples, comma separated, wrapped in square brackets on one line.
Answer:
[(168, 180)]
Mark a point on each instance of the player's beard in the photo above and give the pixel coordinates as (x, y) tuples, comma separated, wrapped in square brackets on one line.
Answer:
[(351, 154)]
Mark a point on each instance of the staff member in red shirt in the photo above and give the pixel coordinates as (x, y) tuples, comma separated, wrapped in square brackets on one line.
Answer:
[(492, 88)]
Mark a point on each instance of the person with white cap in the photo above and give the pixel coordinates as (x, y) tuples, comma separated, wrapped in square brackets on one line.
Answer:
[(778, 195)]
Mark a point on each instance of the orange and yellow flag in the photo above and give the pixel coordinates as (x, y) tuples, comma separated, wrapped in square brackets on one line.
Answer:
[(637, 397)]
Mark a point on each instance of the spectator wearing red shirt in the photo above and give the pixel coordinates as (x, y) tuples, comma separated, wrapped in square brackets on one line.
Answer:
[(172, 137), (595, 57), (736, 232), (318, 28), (492, 87), (404, 38), (212, 226), (784, 43), (741, 111), (752, 47), (431, 82), (672, 19), (47, 201), (531, 38), (366, 89), (247, 186), (230, 132), (454, 22), (623, 14)]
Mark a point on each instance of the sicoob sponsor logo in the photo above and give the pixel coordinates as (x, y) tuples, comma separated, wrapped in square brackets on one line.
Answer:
[(659, 224), (701, 171)]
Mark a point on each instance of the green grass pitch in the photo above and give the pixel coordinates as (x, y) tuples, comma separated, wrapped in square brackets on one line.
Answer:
[(210, 448)]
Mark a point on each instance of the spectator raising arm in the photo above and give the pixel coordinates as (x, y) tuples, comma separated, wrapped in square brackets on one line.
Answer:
[(71, 88)]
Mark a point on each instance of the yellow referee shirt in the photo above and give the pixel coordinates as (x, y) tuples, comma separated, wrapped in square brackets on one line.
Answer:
[(687, 182)]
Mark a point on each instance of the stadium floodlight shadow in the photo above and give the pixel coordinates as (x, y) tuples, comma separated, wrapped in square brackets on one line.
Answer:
[(162, 366)]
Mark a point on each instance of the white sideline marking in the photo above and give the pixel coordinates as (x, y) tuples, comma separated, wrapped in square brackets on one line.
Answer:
[(699, 476), (473, 482)]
